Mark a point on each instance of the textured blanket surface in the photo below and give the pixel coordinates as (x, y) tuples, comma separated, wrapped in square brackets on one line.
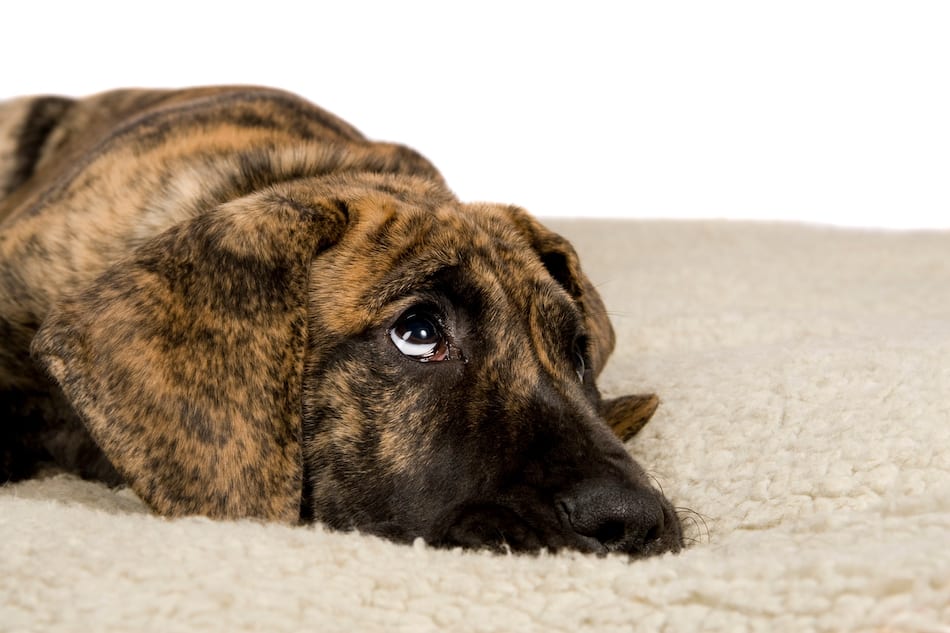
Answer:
[(805, 421)]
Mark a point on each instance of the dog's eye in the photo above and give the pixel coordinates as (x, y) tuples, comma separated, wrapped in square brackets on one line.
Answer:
[(418, 335), (580, 365)]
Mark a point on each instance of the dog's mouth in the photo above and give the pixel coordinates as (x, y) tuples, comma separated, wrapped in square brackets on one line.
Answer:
[(590, 518)]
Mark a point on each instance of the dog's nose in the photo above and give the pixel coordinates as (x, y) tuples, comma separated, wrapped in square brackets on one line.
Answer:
[(620, 517)]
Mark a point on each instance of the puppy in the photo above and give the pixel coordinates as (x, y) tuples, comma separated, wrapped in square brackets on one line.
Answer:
[(230, 300)]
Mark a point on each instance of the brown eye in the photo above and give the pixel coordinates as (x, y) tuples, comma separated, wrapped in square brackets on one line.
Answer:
[(418, 335)]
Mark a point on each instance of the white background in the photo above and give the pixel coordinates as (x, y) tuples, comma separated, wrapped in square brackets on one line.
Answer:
[(834, 112)]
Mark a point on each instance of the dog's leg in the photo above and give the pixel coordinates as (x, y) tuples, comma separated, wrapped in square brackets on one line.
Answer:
[(626, 415)]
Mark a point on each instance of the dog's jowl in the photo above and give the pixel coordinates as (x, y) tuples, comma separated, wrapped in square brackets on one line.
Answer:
[(230, 300)]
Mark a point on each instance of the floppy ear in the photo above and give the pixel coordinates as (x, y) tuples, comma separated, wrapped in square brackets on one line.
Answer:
[(185, 360), (559, 257), (626, 415)]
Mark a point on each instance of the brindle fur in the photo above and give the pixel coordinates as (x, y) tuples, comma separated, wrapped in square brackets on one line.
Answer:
[(206, 279)]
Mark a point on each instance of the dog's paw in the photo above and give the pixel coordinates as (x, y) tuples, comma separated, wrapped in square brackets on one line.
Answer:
[(626, 415)]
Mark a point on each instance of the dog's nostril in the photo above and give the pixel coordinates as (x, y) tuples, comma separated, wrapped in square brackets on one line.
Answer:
[(653, 534), (621, 518), (611, 532)]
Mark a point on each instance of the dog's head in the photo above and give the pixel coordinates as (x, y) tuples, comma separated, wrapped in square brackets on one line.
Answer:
[(366, 352)]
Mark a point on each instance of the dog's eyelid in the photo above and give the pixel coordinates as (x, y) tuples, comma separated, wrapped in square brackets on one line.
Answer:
[(430, 303)]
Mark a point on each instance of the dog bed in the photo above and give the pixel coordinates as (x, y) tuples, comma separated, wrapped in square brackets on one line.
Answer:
[(804, 430)]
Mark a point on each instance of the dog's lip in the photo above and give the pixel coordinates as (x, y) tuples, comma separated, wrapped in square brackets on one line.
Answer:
[(542, 528), (542, 532), (389, 530)]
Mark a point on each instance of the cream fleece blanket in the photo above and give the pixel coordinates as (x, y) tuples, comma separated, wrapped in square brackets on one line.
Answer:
[(805, 380)]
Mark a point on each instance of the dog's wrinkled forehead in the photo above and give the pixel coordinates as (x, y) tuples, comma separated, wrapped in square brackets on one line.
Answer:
[(399, 251)]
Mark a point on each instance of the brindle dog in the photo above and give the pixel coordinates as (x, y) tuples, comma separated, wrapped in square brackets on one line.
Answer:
[(230, 300)]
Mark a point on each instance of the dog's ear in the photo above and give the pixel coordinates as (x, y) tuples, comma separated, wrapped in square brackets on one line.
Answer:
[(626, 415), (561, 261), (185, 360)]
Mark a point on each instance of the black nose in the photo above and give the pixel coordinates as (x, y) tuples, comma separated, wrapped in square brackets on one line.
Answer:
[(621, 518)]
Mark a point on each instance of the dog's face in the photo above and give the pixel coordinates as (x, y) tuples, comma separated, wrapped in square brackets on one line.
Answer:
[(373, 356), (450, 394)]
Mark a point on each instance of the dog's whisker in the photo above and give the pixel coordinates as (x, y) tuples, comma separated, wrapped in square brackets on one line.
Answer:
[(656, 482), (687, 515)]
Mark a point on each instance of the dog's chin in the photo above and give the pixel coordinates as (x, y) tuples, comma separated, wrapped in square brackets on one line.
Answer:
[(498, 528), (485, 526)]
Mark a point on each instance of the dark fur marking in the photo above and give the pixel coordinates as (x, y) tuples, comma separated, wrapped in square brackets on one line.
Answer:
[(43, 116)]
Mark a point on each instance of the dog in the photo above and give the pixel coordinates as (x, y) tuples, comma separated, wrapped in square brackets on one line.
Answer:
[(230, 300)]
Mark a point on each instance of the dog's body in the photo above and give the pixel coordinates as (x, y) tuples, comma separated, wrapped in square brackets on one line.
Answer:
[(239, 306)]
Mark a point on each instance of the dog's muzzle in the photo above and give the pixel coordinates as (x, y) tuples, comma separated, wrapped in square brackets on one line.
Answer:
[(599, 516)]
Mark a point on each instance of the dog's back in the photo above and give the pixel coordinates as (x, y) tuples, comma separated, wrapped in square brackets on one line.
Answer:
[(43, 138)]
